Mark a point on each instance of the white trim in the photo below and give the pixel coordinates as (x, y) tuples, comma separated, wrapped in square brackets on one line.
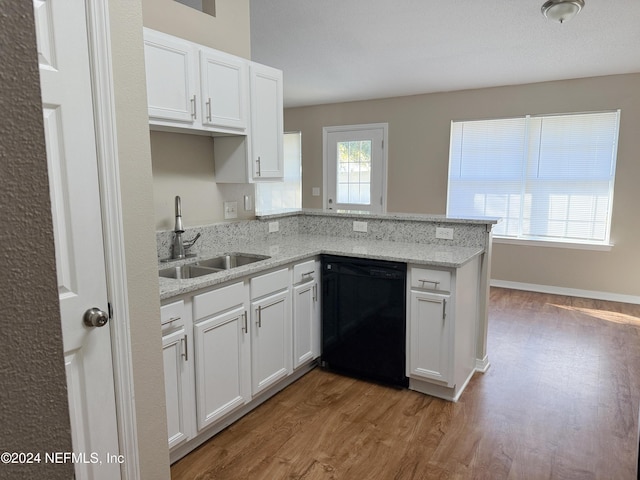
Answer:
[(571, 292), (385, 156), (482, 365), (109, 180), (601, 247)]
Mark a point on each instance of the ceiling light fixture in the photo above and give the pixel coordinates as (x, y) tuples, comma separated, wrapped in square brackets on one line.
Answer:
[(562, 10)]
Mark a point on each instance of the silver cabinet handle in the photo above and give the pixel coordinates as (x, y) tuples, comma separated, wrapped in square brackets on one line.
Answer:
[(193, 107), (259, 168), (209, 110), (308, 274), (171, 320), (315, 292), (435, 282), (259, 322), (245, 329), (185, 351), (444, 306)]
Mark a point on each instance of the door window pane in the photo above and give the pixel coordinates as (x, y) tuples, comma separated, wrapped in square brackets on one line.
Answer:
[(354, 172)]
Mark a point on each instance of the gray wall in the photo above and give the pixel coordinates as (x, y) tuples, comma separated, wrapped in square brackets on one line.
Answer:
[(418, 167), (33, 397)]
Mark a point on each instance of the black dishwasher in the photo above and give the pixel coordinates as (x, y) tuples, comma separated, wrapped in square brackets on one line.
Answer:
[(363, 318)]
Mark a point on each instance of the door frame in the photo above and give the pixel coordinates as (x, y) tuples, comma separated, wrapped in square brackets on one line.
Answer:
[(98, 28), (345, 128)]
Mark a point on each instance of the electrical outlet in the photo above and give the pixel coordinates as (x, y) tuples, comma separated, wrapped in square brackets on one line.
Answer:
[(444, 233), (315, 191), (274, 227), (360, 226), (230, 210)]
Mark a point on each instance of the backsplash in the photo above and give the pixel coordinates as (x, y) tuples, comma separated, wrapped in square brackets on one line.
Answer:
[(219, 237)]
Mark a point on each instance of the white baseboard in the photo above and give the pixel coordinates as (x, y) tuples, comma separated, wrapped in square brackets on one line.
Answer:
[(482, 364), (571, 292)]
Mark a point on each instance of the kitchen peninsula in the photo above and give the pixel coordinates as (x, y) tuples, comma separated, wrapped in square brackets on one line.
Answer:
[(237, 336)]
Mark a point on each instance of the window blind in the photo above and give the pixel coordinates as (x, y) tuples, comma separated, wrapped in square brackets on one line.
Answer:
[(548, 177)]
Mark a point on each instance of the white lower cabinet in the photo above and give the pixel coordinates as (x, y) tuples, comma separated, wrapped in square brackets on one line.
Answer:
[(271, 329), (430, 337), (441, 329), (306, 313), (222, 352), (177, 374)]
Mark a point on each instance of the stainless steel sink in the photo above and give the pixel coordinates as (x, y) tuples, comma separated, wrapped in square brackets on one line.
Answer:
[(186, 271), (231, 260), (210, 265)]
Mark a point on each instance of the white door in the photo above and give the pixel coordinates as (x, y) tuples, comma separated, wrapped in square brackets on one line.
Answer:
[(223, 354), (175, 355), (355, 167), (271, 341), (225, 91), (171, 67), (430, 337), (266, 122), (61, 29)]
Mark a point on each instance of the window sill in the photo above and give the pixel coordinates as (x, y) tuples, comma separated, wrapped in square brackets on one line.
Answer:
[(601, 247)]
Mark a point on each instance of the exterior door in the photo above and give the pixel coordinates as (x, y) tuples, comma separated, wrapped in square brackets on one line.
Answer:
[(355, 168), (61, 29)]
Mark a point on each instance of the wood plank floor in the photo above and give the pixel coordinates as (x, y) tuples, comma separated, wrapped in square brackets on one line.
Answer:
[(559, 401)]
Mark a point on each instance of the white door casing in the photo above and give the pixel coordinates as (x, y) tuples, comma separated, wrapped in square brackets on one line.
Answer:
[(63, 52), (355, 179)]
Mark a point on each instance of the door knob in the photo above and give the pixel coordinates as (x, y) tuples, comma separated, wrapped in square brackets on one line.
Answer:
[(94, 317)]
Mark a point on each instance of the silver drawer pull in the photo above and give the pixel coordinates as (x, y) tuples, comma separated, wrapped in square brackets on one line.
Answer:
[(435, 282), (308, 274), (171, 320)]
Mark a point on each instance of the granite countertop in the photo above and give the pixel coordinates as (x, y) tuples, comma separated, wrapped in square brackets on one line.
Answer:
[(377, 216), (283, 250)]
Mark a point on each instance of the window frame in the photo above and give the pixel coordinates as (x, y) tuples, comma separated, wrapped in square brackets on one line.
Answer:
[(526, 180)]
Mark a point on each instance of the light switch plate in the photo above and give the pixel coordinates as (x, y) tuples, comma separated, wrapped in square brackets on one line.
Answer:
[(230, 210), (444, 233), (274, 227), (359, 226), (248, 203), (315, 191)]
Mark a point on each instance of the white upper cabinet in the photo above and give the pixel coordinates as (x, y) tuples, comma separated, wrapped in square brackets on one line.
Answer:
[(172, 80), (266, 122), (195, 88), (225, 90)]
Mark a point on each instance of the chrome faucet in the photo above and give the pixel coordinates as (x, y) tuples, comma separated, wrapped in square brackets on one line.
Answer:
[(179, 247)]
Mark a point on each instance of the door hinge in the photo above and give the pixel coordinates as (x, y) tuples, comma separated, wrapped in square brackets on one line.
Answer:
[(110, 309)]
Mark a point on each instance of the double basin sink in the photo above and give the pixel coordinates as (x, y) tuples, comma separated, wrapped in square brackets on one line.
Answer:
[(199, 268)]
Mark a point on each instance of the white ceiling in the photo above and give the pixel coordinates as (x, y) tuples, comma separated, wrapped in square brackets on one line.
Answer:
[(342, 50)]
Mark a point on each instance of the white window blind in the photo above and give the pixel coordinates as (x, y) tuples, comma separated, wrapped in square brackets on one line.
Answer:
[(548, 177)]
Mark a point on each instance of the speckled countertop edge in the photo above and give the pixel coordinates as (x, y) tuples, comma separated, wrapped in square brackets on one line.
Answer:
[(285, 250), (380, 216)]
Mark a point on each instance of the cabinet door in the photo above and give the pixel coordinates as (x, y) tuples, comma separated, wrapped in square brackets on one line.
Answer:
[(176, 385), (271, 340), (306, 323), (430, 337), (171, 78), (222, 350), (266, 122), (224, 86)]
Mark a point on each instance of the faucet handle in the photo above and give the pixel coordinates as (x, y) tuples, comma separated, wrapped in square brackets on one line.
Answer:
[(189, 243)]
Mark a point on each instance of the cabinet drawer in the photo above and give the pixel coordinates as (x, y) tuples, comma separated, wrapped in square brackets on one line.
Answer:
[(269, 283), (218, 300), (431, 279), (172, 313), (303, 272)]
